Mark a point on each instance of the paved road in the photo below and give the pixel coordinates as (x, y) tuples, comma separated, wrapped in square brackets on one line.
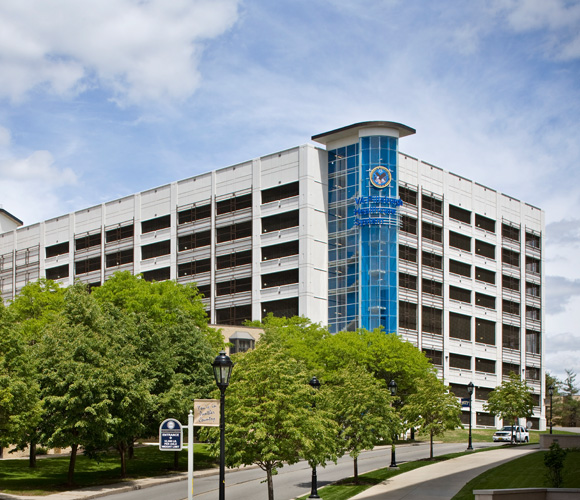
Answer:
[(291, 481)]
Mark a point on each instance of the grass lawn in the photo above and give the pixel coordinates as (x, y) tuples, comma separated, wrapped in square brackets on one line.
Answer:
[(525, 472), (346, 488), (479, 435), (462, 436), (51, 473)]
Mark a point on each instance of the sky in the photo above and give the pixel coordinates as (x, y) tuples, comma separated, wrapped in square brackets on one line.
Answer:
[(103, 99)]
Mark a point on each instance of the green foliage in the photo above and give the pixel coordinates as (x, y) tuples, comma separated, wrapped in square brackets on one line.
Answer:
[(37, 305), (270, 417), (570, 405), (101, 369), (302, 339), (554, 461), (82, 376), (386, 356), (163, 302), (511, 400), (20, 409), (432, 408), (362, 407), (171, 339)]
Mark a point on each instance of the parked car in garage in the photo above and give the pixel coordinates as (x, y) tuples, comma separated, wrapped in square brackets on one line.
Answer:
[(521, 434)]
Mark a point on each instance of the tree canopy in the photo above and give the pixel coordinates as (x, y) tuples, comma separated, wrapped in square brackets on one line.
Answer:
[(570, 405), (20, 409), (511, 400), (362, 407), (104, 368), (387, 356), (433, 409), (270, 414)]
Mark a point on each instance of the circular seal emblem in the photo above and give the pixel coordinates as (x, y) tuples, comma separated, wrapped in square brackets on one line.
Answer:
[(171, 424), (380, 177)]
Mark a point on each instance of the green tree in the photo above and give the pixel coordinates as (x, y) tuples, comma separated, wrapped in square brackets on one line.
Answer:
[(172, 341), (433, 409), (75, 377), (387, 356), (163, 302), (38, 305), (269, 415), (20, 409), (129, 387), (556, 399), (361, 405), (302, 339), (570, 404), (94, 386), (511, 400)]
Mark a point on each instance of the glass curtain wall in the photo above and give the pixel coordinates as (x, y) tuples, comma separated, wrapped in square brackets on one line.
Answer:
[(378, 232), (362, 229), (343, 270)]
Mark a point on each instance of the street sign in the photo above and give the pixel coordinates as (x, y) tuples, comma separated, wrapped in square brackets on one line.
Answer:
[(170, 435), (465, 402), (206, 412)]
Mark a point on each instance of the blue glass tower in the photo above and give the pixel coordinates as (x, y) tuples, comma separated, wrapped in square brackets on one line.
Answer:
[(363, 225)]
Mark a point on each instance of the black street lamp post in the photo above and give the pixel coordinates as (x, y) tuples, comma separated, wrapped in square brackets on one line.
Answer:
[(315, 384), (470, 392), (222, 369), (551, 393), (393, 388)]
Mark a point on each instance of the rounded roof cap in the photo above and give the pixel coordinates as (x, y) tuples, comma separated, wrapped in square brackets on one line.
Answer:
[(349, 130)]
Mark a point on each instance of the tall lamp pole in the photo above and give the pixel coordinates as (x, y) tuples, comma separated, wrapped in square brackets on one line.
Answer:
[(393, 388), (551, 393), (470, 392), (222, 369), (315, 384)]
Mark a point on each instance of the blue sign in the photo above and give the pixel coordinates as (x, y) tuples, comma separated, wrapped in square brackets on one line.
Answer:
[(465, 403), (170, 435)]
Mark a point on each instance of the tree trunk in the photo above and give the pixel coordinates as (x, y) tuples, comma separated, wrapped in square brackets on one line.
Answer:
[(431, 452), (270, 483), (1, 452), (32, 455), (355, 460), (71, 464), (122, 448)]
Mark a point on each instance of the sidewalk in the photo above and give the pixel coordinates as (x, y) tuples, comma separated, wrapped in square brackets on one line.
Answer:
[(102, 491), (444, 479)]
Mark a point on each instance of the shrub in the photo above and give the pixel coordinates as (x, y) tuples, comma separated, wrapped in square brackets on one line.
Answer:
[(554, 461)]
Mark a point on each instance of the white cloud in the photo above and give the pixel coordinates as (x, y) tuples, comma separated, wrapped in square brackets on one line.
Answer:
[(562, 352), (560, 292), (36, 168), (5, 137), (31, 184), (142, 51), (558, 19)]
